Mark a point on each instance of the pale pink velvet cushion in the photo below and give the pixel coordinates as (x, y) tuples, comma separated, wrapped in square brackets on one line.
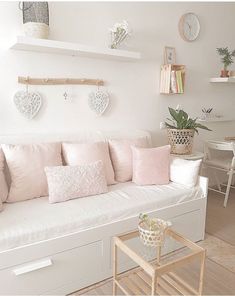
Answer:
[(121, 156), (69, 182), (151, 165), (3, 183), (26, 164), (85, 153)]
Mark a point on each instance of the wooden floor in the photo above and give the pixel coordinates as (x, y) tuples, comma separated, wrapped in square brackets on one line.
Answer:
[(219, 274)]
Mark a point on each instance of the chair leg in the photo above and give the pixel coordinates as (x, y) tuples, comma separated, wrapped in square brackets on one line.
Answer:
[(217, 180), (230, 178)]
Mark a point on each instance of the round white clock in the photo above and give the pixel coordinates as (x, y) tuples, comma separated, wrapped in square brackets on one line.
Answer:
[(189, 26)]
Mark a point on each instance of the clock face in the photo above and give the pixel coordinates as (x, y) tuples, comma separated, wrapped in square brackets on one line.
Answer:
[(189, 27)]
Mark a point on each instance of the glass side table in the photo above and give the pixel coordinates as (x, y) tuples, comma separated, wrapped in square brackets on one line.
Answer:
[(156, 276)]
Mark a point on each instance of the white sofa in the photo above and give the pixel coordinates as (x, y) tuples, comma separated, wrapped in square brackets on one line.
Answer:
[(60, 248)]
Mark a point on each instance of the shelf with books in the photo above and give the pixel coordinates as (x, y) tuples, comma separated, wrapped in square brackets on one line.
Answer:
[(172, 78)]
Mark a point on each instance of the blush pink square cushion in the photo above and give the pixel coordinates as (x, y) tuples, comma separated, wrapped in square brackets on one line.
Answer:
[(69, 182), (3, 183), (121, 156), (85, 153), (26, 164), (151, 165)]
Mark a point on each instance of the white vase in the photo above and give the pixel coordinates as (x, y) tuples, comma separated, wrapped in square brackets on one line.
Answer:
[(36, 30)]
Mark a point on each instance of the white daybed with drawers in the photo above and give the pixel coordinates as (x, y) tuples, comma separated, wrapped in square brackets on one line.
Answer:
[(60, 248)]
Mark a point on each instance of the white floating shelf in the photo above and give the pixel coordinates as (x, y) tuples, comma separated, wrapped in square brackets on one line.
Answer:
[(216, 119), (72, 49), (223, 80)]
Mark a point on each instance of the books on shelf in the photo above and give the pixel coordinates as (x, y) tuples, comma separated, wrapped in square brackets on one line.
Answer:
[(172, 79)]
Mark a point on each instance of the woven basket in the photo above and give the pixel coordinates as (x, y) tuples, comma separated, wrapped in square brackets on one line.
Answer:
[(36, 30), (181, 140), (153, 238)]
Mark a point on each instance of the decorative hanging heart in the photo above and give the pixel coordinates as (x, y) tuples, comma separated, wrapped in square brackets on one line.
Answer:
[(98, 101), (28, 103)]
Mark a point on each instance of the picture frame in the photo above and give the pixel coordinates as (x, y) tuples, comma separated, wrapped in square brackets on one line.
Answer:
[(169, 55)]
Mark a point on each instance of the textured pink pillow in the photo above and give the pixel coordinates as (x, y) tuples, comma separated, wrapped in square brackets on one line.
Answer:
[(69, 182), (85, 153), (3, 183), (26, 164), (121, 156), (151, 165)]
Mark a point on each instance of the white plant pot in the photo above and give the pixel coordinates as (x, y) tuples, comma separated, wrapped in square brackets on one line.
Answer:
[(36, 30)]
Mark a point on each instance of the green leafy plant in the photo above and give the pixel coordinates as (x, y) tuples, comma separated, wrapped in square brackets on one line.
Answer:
[(227, 56), (180, 120), (151, 224)]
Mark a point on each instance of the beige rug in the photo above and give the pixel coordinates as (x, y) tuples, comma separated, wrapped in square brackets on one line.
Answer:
[(219, 251), (221, 221)]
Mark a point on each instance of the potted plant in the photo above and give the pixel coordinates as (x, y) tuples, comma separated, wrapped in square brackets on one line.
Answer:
[(181, 129), (152, 230), (227, 59), (119, 32)]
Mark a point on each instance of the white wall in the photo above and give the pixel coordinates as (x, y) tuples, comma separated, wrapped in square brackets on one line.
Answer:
[(134, 87)]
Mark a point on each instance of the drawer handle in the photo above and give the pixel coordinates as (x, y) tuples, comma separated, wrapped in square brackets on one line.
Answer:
[(32, 266)]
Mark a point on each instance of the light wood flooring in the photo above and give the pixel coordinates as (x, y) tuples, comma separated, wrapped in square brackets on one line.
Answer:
[(220, 263)]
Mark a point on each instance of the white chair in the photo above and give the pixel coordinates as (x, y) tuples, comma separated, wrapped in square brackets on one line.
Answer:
[(222, 163)]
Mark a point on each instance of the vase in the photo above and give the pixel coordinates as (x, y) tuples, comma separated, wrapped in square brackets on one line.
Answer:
[(181, 140), (224, 73)]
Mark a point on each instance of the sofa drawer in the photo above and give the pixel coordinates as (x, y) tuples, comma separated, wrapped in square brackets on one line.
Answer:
[(46, 274)]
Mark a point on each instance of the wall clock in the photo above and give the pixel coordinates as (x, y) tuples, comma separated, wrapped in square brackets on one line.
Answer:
[(189, 26)]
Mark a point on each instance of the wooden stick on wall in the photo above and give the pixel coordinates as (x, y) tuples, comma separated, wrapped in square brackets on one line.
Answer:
[(58, 81)]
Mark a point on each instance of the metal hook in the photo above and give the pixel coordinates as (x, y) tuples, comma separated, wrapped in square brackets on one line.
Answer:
[(27, 84)]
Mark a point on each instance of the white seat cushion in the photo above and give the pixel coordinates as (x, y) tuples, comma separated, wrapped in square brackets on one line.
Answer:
[(36, 220)]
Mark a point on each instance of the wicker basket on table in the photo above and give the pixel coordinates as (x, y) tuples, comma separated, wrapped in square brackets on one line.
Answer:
[(181, 140), (156, 237)]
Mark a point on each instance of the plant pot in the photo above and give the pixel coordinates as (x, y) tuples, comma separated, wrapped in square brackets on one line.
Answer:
[(36, 30), (181, 140), (224, 73)]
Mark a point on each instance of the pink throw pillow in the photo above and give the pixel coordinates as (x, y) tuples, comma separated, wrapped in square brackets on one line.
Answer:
[(121, 156), (3, 183), (85, 153), (26, 164), (69, 182), (151, 165)]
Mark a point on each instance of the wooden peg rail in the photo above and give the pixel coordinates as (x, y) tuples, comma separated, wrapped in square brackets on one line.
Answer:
[(58, 81)]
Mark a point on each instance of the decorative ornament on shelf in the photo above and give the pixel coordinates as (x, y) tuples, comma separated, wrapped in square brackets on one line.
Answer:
[(226, 59), (152, 230), (119, 32), (181, 129), (28, 103), (206, 113), (98, 101), (35, 19)]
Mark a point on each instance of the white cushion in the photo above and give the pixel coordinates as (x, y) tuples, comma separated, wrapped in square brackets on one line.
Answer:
[(184, 171), (69, 182)]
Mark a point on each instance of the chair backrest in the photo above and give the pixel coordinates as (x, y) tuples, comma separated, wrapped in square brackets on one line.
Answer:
[(220, 145)]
